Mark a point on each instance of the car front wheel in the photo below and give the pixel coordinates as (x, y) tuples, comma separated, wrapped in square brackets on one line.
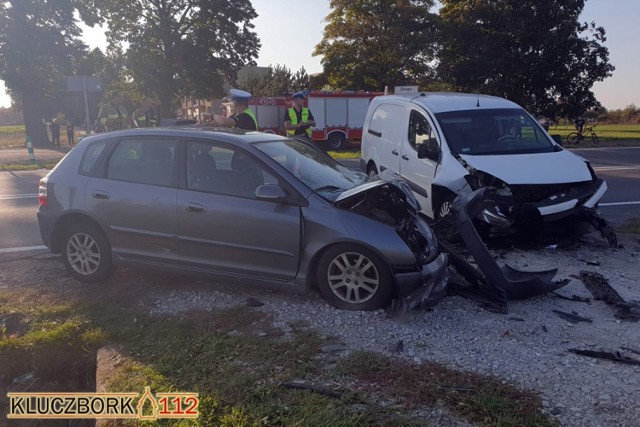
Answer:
[(86, 253), (354, 278)]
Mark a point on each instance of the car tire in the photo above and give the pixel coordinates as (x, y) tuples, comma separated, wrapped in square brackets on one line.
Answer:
[(336, 140), (572, 138), (86, 253), (351, 277)]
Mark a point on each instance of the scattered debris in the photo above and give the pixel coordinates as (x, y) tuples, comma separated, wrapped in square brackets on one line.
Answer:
[(595, 263), (516, 319), (396, 347), (299, 385), (570, 317), (333, 348), (253, 302), (599, 286), (616, 357), (572, 298), (631, 350), (458, 389)]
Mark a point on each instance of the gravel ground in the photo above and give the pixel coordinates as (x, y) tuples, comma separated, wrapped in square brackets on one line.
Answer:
[(527, 346)]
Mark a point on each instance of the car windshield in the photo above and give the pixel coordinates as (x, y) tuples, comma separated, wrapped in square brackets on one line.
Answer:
[(314, 168), (494, 131)]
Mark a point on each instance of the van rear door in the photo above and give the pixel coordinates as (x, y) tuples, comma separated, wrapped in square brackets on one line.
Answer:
[(384, 136)]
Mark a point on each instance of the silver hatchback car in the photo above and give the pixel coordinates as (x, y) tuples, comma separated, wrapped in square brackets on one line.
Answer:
[(243, 206)]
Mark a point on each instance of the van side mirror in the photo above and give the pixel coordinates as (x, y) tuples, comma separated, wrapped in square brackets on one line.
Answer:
[(429, 150), (557, 138), (271, 193)]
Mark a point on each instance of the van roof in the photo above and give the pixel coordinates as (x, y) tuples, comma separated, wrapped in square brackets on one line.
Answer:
[(439, 102)]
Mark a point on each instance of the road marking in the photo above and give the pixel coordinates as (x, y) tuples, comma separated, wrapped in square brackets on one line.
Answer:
[(18, 196), (616, 168), (22, 249), (618, 204)]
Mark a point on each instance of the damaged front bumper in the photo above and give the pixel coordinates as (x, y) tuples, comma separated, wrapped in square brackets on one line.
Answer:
[(565, 203), (422, 287)]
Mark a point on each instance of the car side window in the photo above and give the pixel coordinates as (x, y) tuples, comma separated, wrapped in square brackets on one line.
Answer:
[(144, 161), (216, 169), (91, 156), (420, 131)]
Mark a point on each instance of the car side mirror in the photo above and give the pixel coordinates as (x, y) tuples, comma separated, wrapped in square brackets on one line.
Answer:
[(429, 150), (557, 138), (271, 193)]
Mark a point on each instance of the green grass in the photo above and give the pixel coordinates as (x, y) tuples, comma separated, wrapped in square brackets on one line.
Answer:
[(351, 154), (13, 167), (631, 226), (605, 132), (11, 129), (233, 358)]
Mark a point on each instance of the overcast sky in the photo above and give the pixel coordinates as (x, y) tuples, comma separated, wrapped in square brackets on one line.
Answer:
[(289, 30)]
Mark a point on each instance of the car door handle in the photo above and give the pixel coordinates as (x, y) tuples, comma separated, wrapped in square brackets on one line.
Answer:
[(405, 157), (394, 152), (195, 207), (100, 194)]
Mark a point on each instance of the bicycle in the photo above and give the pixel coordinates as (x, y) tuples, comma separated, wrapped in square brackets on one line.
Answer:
[(576, 137)]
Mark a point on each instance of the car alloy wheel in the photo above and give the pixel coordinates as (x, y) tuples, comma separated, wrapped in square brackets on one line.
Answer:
[(83, 254), (353, 278)]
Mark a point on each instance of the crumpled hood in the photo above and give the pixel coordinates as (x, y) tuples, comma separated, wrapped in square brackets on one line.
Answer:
[(559, 167), (386, 177)]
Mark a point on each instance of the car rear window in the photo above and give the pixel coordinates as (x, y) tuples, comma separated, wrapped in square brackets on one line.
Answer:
[(91, 156)]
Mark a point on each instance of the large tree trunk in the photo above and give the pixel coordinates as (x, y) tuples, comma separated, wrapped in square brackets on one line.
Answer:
[(33, 115)]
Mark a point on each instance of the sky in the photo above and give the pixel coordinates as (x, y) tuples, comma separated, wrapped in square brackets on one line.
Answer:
[(289, 31)]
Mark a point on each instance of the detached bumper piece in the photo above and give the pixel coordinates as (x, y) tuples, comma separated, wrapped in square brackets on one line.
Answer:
[(491, 284)]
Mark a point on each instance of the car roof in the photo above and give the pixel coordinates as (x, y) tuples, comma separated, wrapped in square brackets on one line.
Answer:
[(440, 102), (220, 134)]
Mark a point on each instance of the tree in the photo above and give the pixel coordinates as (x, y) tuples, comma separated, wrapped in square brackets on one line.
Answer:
[(39, 46), (534, 53), (370, 44), (276, 80), (182, 46)]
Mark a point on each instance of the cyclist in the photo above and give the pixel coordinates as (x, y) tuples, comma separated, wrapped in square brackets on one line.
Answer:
[(579, 124)]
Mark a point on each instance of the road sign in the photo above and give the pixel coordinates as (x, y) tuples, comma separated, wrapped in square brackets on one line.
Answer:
[(399, 90)]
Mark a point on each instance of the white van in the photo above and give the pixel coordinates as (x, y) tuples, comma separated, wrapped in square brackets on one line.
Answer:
[(448, 144)]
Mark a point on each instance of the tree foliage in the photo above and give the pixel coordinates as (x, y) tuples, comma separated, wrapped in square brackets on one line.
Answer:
[(182, 46), (369, 44), (276, 80), (39, 46), (535, 53)]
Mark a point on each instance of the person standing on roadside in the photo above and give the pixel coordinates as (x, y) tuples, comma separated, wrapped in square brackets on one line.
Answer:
[(243, 116), (70, 135), (55, 132), (299, 120), (145, 116), (113, 115)]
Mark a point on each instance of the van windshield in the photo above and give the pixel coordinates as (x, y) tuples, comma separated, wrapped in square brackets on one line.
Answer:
[(494, 131)]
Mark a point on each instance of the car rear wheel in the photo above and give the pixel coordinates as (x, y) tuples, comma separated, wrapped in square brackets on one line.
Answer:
[(86, 253), (354, 278)]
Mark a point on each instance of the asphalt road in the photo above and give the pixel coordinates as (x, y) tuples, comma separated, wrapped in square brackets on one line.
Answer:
[(18, 203)]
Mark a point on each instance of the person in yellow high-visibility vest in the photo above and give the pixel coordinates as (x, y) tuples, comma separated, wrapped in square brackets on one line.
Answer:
[(299, 120), (243, 116)]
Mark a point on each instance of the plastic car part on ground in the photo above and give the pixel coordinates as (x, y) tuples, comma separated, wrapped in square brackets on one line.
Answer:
[(490, 284)]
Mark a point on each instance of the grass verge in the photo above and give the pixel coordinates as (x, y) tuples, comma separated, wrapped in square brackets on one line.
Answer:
[(351, 154), (631, 226), (233, 358), (13, 167)]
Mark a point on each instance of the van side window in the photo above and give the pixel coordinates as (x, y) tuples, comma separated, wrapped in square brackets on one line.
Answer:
[(420, 131), (386, 122)]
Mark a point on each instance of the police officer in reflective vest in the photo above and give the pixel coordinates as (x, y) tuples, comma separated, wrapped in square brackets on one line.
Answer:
[(243, 117), (113, 115), (145, 116), (298, 121)]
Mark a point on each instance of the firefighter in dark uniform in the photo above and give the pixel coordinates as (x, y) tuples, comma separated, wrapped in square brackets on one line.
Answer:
[(299, 120), (145, 116), (243, 117)]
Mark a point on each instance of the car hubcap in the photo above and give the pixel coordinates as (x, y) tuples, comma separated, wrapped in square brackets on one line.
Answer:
[(353, 277), (83, 253)]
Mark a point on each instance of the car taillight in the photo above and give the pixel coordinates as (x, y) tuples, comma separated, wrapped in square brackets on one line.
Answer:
[(42, 192)]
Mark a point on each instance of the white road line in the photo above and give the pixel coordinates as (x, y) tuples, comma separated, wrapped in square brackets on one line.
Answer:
[(616, 168), (18, 196), (603, 148), (22, 249), (618, 204)]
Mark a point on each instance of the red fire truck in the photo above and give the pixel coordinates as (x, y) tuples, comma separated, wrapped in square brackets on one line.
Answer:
[(339, 115)]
